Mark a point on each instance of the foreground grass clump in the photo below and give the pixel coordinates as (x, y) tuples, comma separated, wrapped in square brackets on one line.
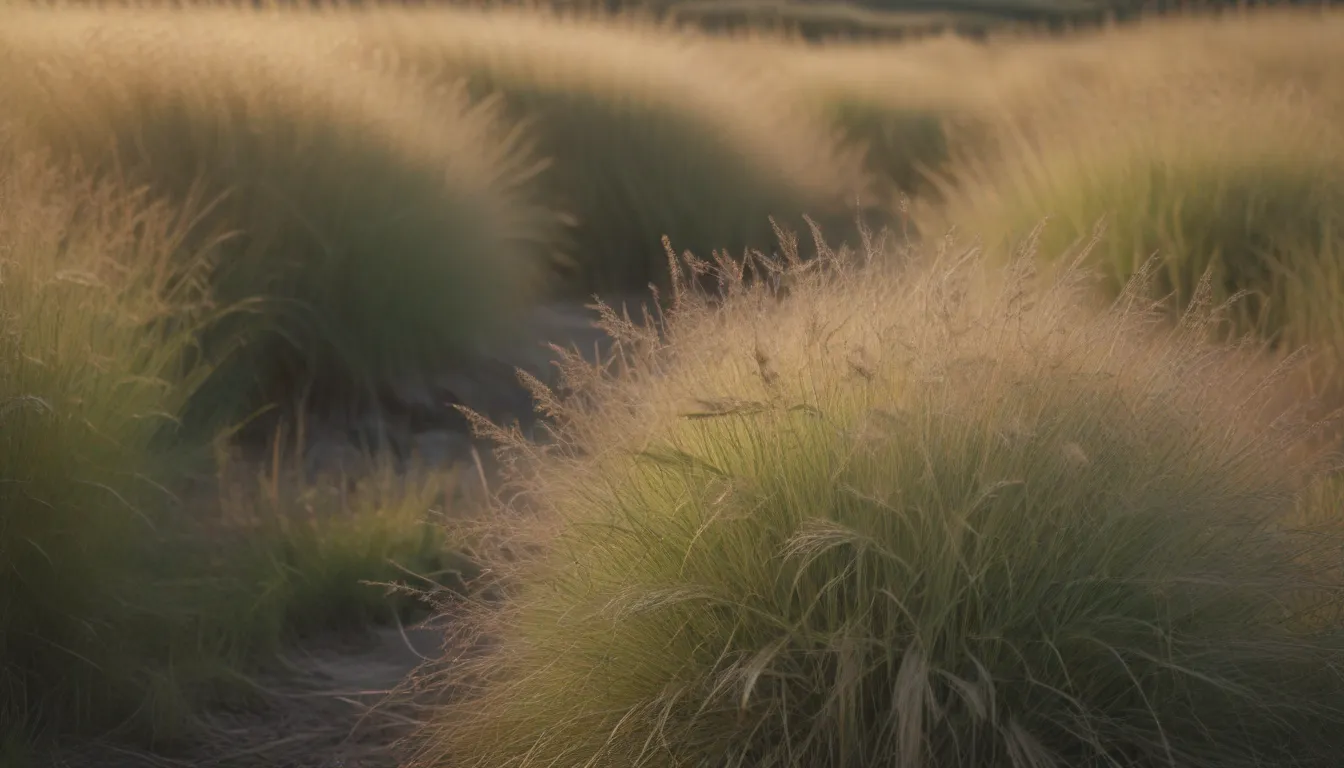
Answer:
[(939, 518), (646, 136), (383, 234), (1251, 190), (91, 378)]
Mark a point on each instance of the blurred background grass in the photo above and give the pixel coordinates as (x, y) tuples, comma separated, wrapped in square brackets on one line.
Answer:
[(238, 209)]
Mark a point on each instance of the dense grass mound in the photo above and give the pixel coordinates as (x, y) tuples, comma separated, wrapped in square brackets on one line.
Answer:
[(921, 108), (911, 109), (384, 234), (1252, 190), (1167, 62), (91, 378), (945, 518), (646, 136)]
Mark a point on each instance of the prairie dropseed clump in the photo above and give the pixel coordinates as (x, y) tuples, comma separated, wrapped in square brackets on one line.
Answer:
[(947, 516), (1250, 189), (382, 234), (92, 377), (912, 108), (1272, 50), (645, 136)]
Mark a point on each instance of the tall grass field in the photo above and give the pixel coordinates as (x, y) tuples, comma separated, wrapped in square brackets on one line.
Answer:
[(984, 411)]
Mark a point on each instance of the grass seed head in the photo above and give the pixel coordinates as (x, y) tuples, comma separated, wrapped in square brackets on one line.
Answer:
[(1027, 534)]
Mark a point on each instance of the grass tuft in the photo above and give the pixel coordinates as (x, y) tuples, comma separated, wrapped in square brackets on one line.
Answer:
[(92, 376), (646, 136), (911, 109), (382, 234), (1250, 190), (942, 516)]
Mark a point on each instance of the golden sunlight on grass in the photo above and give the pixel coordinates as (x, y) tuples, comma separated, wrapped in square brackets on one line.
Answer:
[(1038, 470)]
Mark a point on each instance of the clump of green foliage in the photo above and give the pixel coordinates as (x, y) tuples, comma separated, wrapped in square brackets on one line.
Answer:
[(1250, 190), (645, 136), (376, 233), (94, 345), (944, 515)]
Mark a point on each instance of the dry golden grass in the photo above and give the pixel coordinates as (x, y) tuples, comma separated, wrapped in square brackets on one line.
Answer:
[(924, 105), (383, 233), (947, 515), (646, 136), (1169, 63), (911, 108), (1248, 185), (860, 481), (92, 378)]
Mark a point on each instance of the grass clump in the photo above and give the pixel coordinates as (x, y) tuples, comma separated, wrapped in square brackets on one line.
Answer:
[(944, 517), (382, 234), (645, 135), (1031, 85), (1251, 191), (911, 109), (128, 603), (92, 376)]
